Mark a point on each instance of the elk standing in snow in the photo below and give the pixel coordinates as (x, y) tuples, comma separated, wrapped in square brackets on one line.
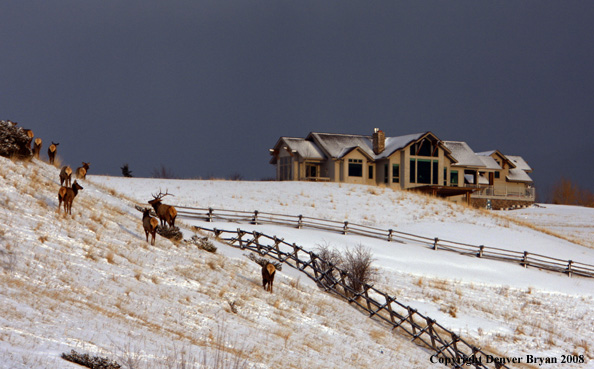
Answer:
[(51, 152), (149, 224), (67, 194), (81, 172), (166, 213), (66, 176), (37, 147), (268, 272)]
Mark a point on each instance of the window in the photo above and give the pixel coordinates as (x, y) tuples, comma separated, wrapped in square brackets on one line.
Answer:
[(424, 171), (445, 176), (355, 168), (395, 173), (286, 168), (497, 175), (454, 178), (424, 148), (386, 175), (371, 172)]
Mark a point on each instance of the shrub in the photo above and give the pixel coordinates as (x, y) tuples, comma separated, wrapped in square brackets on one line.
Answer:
[(357, 264)]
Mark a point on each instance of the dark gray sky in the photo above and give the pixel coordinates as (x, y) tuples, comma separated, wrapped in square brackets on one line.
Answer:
[(205, 88)]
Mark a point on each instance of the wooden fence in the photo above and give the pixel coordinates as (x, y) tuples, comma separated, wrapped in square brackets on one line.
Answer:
[(525, 258), (446, 346)]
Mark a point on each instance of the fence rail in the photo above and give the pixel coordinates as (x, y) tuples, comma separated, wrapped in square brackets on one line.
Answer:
[(448, 348), (524, 259)]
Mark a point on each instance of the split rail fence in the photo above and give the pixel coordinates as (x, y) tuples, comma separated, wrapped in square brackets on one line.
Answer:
[(448, 348), (525, 258)]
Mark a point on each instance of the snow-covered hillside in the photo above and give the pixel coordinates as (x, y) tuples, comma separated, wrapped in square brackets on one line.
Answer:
[(91, 283)]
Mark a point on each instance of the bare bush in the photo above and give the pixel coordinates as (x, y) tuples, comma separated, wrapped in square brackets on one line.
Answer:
[(357, 264), (329, 259), (163, 172)]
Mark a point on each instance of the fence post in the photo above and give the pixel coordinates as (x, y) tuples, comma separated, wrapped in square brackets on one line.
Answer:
[(430, 330), (435, 243), (455, 340), (239, 236), (345, 229), (525, 259), (411, 312), (295, 250), (300, 223), (390, 235), (255, 220), (569, 268), (210, 214), (481, 248)]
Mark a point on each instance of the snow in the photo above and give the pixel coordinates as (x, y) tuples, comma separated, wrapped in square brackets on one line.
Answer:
[(91, 283)]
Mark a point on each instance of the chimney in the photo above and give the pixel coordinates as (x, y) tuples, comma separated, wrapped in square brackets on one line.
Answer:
[(379, 141)]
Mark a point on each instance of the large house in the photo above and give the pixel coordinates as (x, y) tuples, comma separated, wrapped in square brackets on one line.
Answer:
[(419, 161)]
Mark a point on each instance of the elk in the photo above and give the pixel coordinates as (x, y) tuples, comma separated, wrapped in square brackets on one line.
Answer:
[(268, 272), (66, 176), (67, 195), (166, 213), (149, 224), (37, 147), (51, 152), (30, 136), (81, 172)]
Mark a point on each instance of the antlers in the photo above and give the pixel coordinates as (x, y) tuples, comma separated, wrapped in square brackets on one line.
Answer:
[(162, 195)]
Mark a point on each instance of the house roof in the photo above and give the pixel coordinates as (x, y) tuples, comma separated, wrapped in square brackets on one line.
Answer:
[(489, 162), (518, 175), (394, 144), (338, 145), (491, 153), (306, 149), (464, 154), (520, 163)]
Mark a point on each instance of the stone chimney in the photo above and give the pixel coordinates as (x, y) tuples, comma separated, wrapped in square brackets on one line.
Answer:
[(379, 141)]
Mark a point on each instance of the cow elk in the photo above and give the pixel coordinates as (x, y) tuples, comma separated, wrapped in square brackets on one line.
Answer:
[(149, 224), (166, 213), (268, 272), (37, 147), (30, 136), (66, 176), (81, 172), (67, 195), (51, 152)]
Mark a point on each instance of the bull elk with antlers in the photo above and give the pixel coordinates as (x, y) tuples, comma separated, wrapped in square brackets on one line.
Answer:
[(67, 195), (51, 152), (268, 272), (149, 224), (81, 172), (65, 176), (166, 213)]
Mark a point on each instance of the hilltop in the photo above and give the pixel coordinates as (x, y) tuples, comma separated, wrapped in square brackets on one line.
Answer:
[(91, 283)]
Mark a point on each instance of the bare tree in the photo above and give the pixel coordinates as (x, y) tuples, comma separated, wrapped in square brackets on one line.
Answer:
[(163, 172), (566, 192)]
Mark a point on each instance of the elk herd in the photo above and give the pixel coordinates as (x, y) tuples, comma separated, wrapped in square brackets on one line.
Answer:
[(165, 214)]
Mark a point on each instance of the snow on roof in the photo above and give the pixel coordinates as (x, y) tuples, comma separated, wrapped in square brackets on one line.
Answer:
[(396, 143), (518, 175), (338, 145), (463, 154), (489, 162), (306, 149), (519, 162)]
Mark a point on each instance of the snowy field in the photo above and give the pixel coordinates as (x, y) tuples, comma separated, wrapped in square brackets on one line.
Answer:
[(91, 283)]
